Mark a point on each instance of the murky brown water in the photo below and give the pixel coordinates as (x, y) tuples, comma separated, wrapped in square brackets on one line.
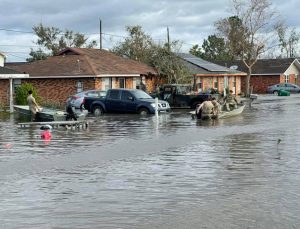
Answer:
[(127, 171)]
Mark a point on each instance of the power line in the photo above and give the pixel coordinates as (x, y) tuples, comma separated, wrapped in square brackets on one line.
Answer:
[(16, 31), (34, 46)]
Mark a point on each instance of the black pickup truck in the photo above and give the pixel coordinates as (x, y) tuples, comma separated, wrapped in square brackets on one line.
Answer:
[(124, 101), (180, 96)]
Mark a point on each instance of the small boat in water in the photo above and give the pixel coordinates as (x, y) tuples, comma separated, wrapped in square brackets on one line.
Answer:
[(223, 114), (46, 114)]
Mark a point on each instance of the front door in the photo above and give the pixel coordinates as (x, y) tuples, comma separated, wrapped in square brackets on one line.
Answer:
[(122, 83)]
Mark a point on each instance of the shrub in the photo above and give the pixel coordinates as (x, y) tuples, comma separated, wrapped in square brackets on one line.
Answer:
[(22, 93)]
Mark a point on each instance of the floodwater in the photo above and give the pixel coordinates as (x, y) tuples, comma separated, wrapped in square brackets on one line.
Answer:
[(127, 171)]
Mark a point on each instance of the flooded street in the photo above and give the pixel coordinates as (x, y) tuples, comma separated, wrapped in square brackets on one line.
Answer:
[(127, 171)]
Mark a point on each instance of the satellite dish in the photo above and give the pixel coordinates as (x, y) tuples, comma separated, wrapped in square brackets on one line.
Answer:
[(234, 67)]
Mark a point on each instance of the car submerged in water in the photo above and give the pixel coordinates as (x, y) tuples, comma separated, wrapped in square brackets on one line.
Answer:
[(292, 88)]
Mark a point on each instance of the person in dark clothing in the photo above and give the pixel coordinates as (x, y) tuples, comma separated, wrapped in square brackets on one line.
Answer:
[(71, 114)]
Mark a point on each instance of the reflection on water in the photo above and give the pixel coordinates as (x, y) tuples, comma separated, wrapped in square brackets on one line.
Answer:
[(127, 171)]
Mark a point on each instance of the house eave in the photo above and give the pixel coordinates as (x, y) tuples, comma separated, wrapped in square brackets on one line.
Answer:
[(266, 74), (13, 76), (86, 76), (119, 75), (221, 75)]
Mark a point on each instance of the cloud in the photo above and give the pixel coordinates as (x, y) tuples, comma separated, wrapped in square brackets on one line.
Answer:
[(189, 21)]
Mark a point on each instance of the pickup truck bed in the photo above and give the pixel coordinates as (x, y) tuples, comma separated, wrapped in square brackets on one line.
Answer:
[(177, 98)]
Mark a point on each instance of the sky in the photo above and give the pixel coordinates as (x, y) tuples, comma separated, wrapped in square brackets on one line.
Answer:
[(189, 21)]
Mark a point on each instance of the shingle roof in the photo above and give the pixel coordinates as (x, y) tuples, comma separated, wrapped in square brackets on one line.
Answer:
[(262, 66), (199, 66), (4, 70), (84, 61)]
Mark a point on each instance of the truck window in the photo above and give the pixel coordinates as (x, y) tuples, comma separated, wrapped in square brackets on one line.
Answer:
[(114, 94), (126, 95)]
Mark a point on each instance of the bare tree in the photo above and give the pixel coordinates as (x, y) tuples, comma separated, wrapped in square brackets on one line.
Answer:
[(256, 20), (288, 39)]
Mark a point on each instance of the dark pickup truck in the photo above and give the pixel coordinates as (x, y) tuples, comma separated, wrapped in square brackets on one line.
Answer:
[(180, 96), (124, 101)]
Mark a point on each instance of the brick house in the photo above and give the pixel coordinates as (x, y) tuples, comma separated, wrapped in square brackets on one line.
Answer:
[(207, 75), (7, 77), (268, 72), (78, 69)]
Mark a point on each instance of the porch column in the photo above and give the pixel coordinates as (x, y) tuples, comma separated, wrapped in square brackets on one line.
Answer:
[(11, 104)]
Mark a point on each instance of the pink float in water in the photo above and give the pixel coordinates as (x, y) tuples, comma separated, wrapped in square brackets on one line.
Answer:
[(46, 134)]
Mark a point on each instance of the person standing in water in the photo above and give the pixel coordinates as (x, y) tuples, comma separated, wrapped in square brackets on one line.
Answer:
[(33, 106)]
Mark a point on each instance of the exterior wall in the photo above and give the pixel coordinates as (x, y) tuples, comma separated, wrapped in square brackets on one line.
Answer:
[(2, 60), (152, 83), (208, 82), (129, 82), (4, 92), (259, 83), (293, 78), (57, 90), (98, 83)]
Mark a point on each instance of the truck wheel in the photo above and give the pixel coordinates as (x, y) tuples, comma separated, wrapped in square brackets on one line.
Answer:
[(275, 92), (98, 111), (143, 111)]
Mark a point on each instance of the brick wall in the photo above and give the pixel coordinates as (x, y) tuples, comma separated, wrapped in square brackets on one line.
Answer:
[(208, 82), (261, 82), (58, 90), (4, 92)]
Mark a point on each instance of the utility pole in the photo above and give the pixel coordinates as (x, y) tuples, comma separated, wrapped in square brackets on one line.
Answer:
[(168, 38), (100, 33)]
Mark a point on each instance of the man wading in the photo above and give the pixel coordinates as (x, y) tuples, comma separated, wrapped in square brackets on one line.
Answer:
[(33, 106)]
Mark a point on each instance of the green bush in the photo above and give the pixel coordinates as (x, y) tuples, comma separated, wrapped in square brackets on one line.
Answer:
[(22, 93)]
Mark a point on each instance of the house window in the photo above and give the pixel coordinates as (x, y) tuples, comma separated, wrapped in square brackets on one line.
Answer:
[(107, 83), (234, 82), (138, 82), (199, 85), (287, 78), (296, 79), (79, 86), (216, 83), (16, 83), (121, 82)]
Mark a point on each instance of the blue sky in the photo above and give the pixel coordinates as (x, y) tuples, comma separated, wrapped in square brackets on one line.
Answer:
[(189, 21)]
